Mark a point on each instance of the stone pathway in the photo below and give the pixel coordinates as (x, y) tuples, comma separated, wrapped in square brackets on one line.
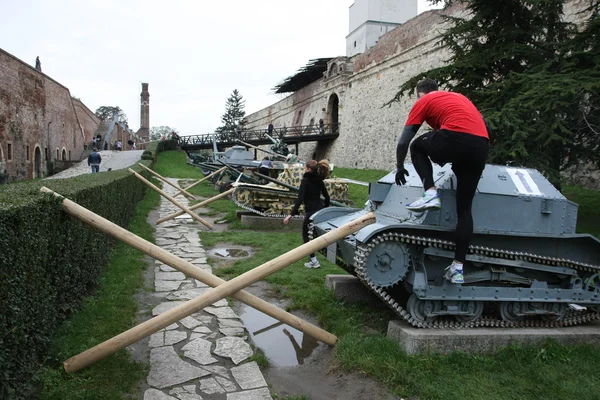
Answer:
[(203, 356), (110, 159)]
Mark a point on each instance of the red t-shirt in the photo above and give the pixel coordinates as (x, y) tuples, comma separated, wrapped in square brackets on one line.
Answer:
[(448, 110)]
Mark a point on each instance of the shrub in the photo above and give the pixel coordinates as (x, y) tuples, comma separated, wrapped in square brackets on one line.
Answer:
[(50, 261)]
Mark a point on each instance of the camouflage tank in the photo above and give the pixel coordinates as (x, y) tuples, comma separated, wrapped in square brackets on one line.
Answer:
[(273, 200)]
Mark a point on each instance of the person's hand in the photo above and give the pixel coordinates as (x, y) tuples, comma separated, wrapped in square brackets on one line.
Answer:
[(401, 174), (287, 219)]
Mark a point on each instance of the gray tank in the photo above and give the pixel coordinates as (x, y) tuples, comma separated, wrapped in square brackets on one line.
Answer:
[(526, 265)]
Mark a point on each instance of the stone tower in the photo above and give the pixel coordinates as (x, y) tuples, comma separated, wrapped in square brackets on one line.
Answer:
[(144, 130), (370, 19)]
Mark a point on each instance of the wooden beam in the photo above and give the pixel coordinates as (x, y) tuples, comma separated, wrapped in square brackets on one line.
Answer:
[(203, 179), (195, 206), (191, 196), (171, 199)]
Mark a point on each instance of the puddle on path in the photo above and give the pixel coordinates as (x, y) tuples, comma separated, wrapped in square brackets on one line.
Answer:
[(283, 345)]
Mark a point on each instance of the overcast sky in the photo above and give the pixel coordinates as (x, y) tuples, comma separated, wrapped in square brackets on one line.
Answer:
[(192, 53)]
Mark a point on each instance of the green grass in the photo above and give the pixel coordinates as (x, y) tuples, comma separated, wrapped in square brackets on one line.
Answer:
[(357, 193), (110, 311), (173, 164), (588, 217)]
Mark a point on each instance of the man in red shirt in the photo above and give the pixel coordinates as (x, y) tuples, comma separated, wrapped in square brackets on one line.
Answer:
[(459, 136)]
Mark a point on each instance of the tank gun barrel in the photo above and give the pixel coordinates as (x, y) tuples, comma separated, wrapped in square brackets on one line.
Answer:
[(293, 188), (258, 148)]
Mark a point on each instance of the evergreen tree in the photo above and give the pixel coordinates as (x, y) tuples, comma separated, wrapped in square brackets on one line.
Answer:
[(234, 112), (533, 76)]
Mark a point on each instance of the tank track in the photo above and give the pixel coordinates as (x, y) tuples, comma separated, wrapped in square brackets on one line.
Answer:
[(571, 317)]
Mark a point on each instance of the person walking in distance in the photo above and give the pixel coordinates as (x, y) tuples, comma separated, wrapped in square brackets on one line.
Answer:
[(311, 189), (94, 160), (460, 136)]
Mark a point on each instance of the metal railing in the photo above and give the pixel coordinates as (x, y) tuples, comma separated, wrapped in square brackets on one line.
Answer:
[(230, 137)]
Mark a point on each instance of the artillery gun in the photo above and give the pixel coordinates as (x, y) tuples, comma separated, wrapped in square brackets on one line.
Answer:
[(526, 266), (277, 198)]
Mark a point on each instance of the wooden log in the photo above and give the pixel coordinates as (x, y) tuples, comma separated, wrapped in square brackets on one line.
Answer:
[(189, 269), (203, 179), (151, 326), (195, 206), (182, 191), (171, 199)]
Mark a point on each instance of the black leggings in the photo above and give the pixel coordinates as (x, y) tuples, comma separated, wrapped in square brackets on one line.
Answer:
[(468, 154), (305, 228)]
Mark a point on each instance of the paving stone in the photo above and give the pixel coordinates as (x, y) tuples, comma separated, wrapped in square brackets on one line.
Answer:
[(187, 294), (234, 348), (187, 286), (166, 268), (190, 322), (256, 394), (210, 386), (187, 392), (167, 369), (200, 284), (171, 327), (248, 376), (230, 323), (169, 276), (197, 335), (157, 339), (173, 337), (202, 329), (199, 259), (167, 286), (172, 235), (217, 370), (199, 351), (163, 307), (154, 394), (232, 331), (226, 384), (221, 312)]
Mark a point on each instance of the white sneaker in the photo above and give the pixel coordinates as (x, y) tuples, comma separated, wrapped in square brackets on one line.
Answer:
[(427, 202), (454, 273), (311, 264)]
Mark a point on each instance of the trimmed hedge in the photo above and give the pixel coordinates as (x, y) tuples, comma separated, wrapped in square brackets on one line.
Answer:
[(50, 261)]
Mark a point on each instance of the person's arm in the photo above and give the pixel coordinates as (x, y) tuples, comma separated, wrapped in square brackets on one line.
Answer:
[(325, 194), (99, 158), (300, 199), (89, 157), (408, 133)]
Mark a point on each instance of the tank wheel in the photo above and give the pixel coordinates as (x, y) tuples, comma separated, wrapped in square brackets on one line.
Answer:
[(225, 187), (474, 308), (509, 309), (560, 309), (419, 308)]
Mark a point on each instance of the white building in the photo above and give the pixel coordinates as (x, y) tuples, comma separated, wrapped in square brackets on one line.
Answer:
[(370, 19)]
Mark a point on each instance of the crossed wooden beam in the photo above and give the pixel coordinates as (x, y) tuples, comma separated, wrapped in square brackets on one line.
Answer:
[(222, 288)]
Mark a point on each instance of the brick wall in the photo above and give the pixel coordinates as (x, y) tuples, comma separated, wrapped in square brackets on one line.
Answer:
[(36, 113), (87, 119)]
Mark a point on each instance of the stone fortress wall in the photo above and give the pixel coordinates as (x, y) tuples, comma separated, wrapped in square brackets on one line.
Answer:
[(363, 84), (38, 120)]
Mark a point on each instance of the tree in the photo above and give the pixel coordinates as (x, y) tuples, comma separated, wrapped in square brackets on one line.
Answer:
[(234, 112), (159, 132), (533, 76), (107, 113)]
